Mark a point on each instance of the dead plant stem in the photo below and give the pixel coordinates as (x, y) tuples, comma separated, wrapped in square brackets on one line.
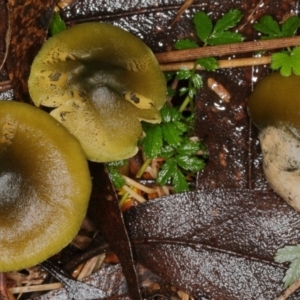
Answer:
[(224, 63), (289, 291), (35, 288), (228, 49), (5, 86)]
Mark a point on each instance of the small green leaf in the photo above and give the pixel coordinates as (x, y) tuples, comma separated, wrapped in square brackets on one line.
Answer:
[(183, 91), (278, 60), (171, 135), (229, 20), (287, 253), (190, 121), (170, 92), (197, 81), (224, 37), (170, 173), (268, 26), (169, 114), (287, 62), (290, 254), (153, 141), (292, 274), (296, 60), (203, 25), (117, 163), (167, 151), (208, 63), (169, 76), (185, 44), (290, 26), (180, 126), (179, 181), (192, 92), (166, 172), (188, 147), (190, 163), (57, 25), (115, 176), (183, 74)]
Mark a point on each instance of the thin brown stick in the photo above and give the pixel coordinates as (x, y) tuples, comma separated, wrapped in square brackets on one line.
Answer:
[(5, 86), (7, 42), (36, 288), (142, 187), (133, 194), (223, 63), (183, 8), (289, 291), (192, 54), (3, 287)]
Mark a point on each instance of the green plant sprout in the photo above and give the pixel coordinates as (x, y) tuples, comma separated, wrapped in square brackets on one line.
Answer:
[(287, 61)]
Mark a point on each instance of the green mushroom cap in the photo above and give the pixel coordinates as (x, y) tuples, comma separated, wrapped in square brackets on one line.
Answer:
[(45, 186), (102, 81), (275, 101)]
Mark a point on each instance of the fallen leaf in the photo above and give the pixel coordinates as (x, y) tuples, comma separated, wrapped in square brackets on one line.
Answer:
[(218, 243), (105, 213), (111, 280), (75, 289)]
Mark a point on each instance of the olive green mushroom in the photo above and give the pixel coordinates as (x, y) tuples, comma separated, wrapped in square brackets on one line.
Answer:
[(274, 107), (101, 81), (45, 186)]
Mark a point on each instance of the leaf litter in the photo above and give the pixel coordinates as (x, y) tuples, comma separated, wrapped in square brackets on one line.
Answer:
[(223, 256)]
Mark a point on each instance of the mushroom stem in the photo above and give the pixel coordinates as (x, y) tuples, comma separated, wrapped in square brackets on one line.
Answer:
[(281, 162)]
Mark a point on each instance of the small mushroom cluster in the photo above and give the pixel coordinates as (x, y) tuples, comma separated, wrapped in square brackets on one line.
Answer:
[(274, 107), (101, 81)]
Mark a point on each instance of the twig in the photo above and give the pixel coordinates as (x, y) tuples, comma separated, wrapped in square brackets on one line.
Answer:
[(289, 291), (96, 250), (7, 42), (133, 194), (138, 185), (244, 47), (88, 268), (183, 8), (223, 63), (36, 288), (3, 287), (5, 86)]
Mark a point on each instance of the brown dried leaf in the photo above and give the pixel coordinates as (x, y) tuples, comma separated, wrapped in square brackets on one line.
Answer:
[(105, 212), (218, 243)]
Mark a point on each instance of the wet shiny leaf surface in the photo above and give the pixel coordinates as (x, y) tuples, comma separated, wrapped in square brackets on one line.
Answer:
[(105, 212), (215, 243)]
